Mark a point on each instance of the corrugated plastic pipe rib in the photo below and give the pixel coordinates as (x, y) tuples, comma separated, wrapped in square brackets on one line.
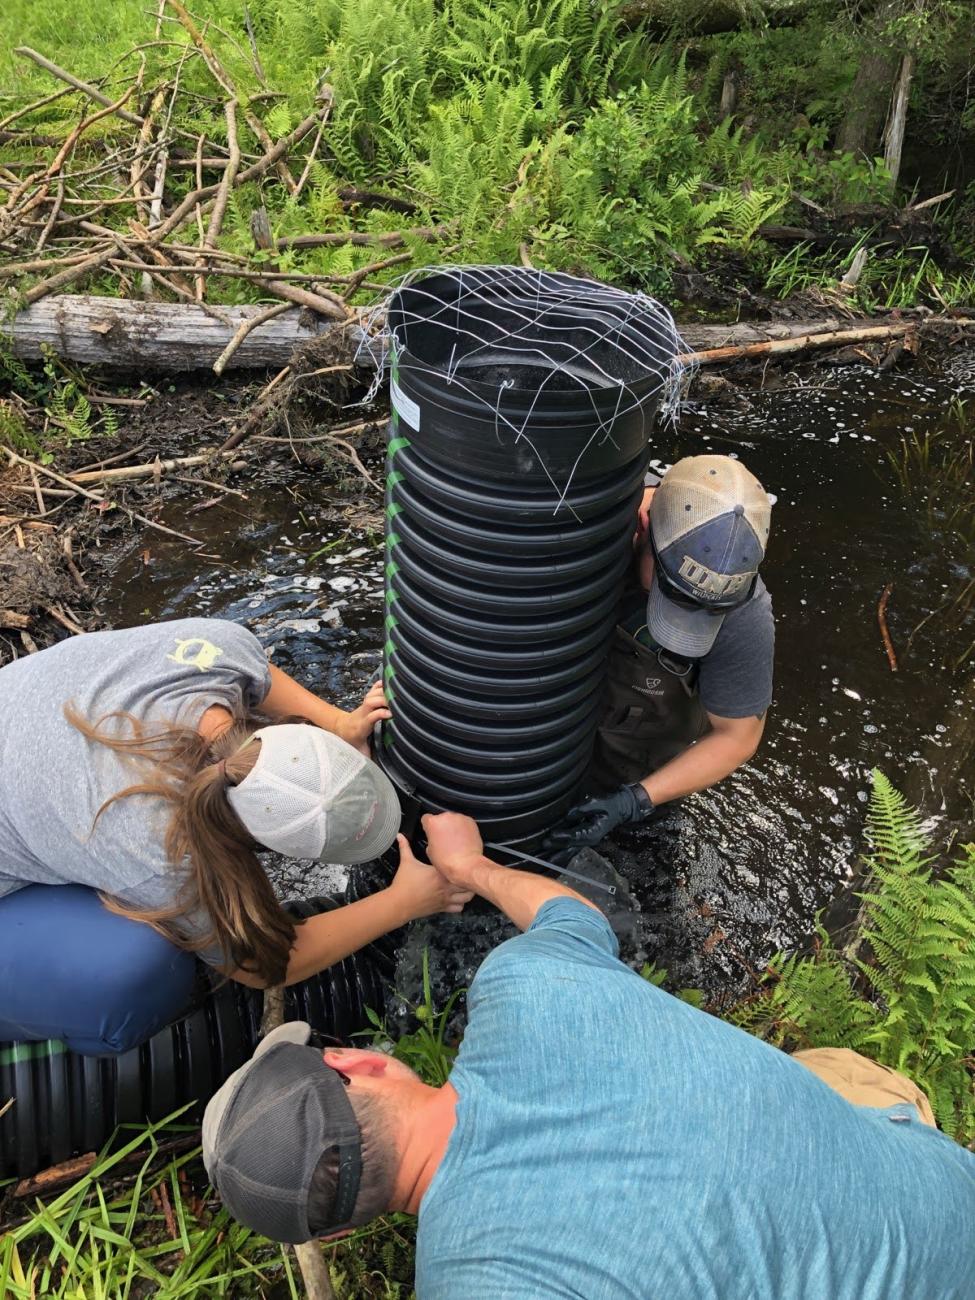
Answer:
[(511, 492), (65, 1104)]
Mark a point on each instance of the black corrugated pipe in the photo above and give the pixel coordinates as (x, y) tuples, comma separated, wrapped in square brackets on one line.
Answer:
[(65, 1104), (521, 409)]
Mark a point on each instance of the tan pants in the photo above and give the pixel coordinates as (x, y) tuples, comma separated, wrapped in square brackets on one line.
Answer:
[(864, 1082)]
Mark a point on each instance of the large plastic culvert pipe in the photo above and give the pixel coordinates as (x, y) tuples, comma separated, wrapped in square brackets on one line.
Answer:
[(65, 1104), (522, 403)]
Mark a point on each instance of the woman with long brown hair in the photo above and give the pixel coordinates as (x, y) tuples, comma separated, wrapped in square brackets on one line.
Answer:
[(141, 773)]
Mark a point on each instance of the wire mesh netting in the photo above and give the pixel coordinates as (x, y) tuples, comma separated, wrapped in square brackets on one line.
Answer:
[(522, 407), (511, 338)]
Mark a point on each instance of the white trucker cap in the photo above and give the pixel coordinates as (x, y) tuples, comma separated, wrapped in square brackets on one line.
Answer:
[(709, 526), (312, 795)]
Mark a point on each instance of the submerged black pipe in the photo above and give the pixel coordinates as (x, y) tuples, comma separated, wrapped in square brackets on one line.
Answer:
[(517, 451), (65, 1104)]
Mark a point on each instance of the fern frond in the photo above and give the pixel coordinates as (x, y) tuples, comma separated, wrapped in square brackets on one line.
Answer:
[(918, 978)]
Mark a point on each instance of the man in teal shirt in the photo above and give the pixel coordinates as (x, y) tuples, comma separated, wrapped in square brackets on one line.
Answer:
[(596, 1139)]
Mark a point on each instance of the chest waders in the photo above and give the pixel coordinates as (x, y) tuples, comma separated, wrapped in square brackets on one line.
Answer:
[(653, 712)]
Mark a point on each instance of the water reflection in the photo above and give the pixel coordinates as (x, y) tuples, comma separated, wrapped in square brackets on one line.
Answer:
[(730, 875)]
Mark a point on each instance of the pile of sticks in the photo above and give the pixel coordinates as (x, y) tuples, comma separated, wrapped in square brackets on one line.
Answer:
[(105, 202)]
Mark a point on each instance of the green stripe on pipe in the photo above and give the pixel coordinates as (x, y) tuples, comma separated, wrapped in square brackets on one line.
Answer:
[(397, 444), (393, 509), (393, 477), (392, 568), (18, 1052)]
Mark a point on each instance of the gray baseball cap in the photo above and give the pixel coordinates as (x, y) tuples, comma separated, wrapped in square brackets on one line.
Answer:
[(312, 795), (709, 526), (267, 1130)]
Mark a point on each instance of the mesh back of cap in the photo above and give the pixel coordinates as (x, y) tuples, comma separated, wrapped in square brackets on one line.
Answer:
[(284, 1115), (300, 774), (700, 488)]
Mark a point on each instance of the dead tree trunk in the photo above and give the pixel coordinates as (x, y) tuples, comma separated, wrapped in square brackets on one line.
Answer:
[(898, 117), (860, 130), (729, 92)]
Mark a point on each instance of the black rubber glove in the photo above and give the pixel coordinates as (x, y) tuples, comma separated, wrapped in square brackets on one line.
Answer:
[(593, 819)]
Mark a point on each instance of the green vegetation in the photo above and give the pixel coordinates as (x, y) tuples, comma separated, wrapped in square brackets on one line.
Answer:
[(901, 992), (583, 136), (140, 1225), (101, 1239), (55, 397)]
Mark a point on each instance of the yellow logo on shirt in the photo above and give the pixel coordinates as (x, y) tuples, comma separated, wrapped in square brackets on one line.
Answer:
[(197, 653)]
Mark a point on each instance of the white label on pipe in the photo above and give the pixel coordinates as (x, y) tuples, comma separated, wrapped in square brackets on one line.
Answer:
[(404, 406)]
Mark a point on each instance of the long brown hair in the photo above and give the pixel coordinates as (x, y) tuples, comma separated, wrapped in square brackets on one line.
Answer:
[(222, 876)]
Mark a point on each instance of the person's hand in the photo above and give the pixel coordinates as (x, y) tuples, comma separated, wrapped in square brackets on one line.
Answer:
[(642, 534), (421, 890), (356, 726), (593, 819), (454, 844)]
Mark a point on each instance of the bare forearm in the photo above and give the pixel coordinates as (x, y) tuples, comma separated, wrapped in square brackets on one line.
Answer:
[(325, 939), (287, 698), (702, 765), (519, 894)]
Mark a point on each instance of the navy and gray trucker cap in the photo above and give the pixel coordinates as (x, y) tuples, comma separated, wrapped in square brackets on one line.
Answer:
[(709, 526), (270, 1126)]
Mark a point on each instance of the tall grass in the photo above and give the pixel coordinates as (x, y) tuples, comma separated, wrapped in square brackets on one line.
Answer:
[(137, 1224)]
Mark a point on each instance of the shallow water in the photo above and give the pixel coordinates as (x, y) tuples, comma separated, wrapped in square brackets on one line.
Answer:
[(735, 873)]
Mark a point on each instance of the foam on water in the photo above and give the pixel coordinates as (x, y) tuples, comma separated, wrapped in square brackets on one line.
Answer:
[(730, 875)]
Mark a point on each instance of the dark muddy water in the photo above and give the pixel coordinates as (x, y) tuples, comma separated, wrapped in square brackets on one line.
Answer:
[(730, 875)]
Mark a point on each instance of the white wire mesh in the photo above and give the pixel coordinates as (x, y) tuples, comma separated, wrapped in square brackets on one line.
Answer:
[(491, 329)]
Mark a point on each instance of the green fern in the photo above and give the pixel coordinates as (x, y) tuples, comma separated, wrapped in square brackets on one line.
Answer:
[(71, 410), (908, 999)]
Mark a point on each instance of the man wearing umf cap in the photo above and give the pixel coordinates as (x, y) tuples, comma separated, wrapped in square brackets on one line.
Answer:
[(690, 671), (600, 1139)]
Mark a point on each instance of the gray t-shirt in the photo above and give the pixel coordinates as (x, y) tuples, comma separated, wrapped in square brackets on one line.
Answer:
[(736, 673), (53, 780), (735, 676)]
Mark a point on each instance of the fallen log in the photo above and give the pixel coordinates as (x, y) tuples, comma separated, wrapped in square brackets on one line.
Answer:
[(804, 341), (183, 336), (702, 337), (154, 335), (165, 336), (149, 470)]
